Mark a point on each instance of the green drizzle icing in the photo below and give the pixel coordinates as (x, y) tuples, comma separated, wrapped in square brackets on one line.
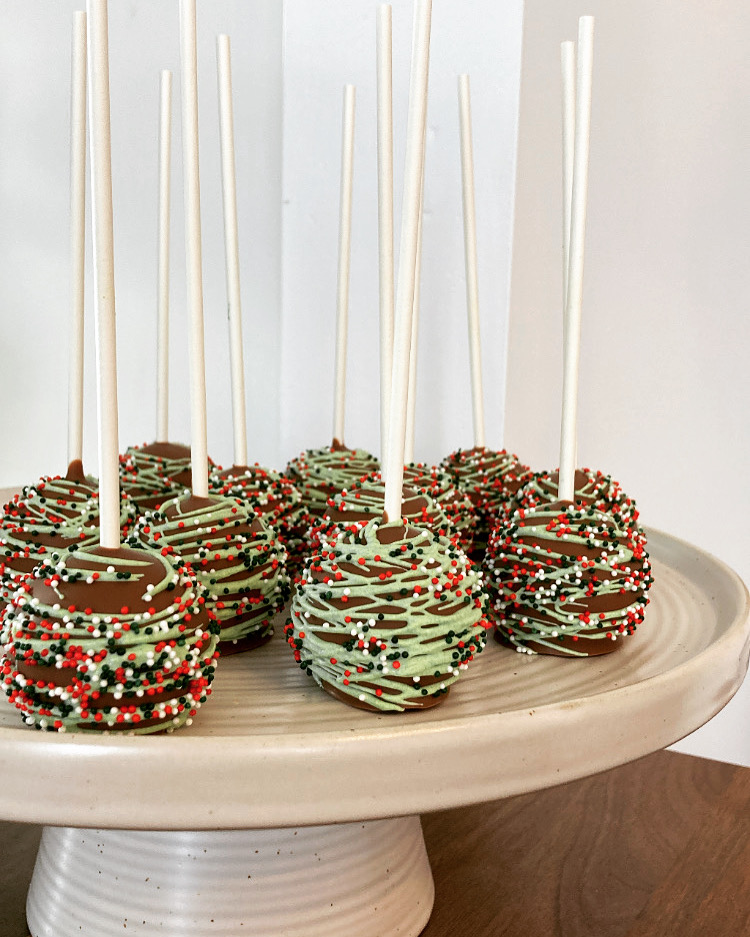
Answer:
[(243, 575), (56, 509), (545, 595), (321, 473), (164, 650), (272, 496), (388, 623)]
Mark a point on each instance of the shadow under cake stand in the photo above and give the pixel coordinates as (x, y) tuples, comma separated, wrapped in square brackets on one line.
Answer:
[(281, 811)]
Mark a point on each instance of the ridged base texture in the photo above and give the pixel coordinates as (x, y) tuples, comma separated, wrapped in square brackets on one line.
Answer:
[(369, 879)]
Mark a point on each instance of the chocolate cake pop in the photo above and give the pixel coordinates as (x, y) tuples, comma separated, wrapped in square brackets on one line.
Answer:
[(237, 557), (456, 505), (388, 617), (567, 579), (364, 500), (155, 472), (591, 488), (102, 639), (491, 479), (273, 497), (51, 514), (320, 474)]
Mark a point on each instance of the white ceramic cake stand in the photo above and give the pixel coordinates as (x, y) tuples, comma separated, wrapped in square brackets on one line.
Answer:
[(283, 812)]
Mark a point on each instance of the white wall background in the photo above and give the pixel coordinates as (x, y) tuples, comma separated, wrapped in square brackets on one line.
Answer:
[(665, 383), (34, 161), (328, 45), (667, 273)]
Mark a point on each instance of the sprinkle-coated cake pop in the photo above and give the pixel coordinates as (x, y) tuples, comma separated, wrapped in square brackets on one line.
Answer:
[(273, 497), (567, 580), (364, 500), (456, 505), (319, 474), (388, 617), (491, 479), (51, 514), (237, 557), (100, 639), (153, 473), (591, 488)]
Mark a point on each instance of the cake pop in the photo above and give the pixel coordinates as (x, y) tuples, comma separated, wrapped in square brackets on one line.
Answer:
[(273, 497), (155, 472), (386, 618), (51, 514), (490, 479), (568, 579), (102, 639), (591, 488), (319, 474), (237, 558), (456, 505), (364, 499)]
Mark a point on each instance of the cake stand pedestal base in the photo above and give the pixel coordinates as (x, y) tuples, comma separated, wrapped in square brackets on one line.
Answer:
[(370, 879)]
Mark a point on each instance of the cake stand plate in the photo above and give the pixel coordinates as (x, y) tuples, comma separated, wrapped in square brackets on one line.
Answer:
[(271, 755)]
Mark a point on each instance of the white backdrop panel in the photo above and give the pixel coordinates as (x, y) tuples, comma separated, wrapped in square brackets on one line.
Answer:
[(328, 45), (34, 77)]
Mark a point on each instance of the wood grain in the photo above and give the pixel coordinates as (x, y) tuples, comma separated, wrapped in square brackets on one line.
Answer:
[(658, 847)]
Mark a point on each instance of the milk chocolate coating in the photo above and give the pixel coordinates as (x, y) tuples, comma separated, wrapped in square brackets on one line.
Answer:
[(101, 639), (273, 497), (153, 473), (567, 580), (319, 474), (490, 479), (237, 558), (386, 618)]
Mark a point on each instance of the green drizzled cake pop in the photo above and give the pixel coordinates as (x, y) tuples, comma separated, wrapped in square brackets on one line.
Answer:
[(363, 501), (386, 618), (567, 580), (51, 514), (456, 505), (319, 474), (490, 479), (237, 557), (273, 497), (104, 639)]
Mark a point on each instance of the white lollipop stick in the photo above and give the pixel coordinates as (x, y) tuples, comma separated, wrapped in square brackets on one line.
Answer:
[(411, 209), (470, 256), (411, 412), (584, 69), (104, 273), (77, 234), (385, 213), (345, 240), (162, 301), (568, 68), (189, 68), (232, 247)]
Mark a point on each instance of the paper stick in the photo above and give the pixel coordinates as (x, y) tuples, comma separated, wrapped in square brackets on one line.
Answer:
[(77, 234), (345, 239), (191, 180), (568, 68), (231, 247), (411, 411), (162, 300), (104, 272), (584, 69), (385, 213), (470, 257), (411, 206)]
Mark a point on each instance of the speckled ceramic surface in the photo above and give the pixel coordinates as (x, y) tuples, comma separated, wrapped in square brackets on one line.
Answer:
[(271, 749)]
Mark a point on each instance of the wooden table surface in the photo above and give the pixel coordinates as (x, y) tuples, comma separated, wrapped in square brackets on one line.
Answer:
[(658, 847)]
